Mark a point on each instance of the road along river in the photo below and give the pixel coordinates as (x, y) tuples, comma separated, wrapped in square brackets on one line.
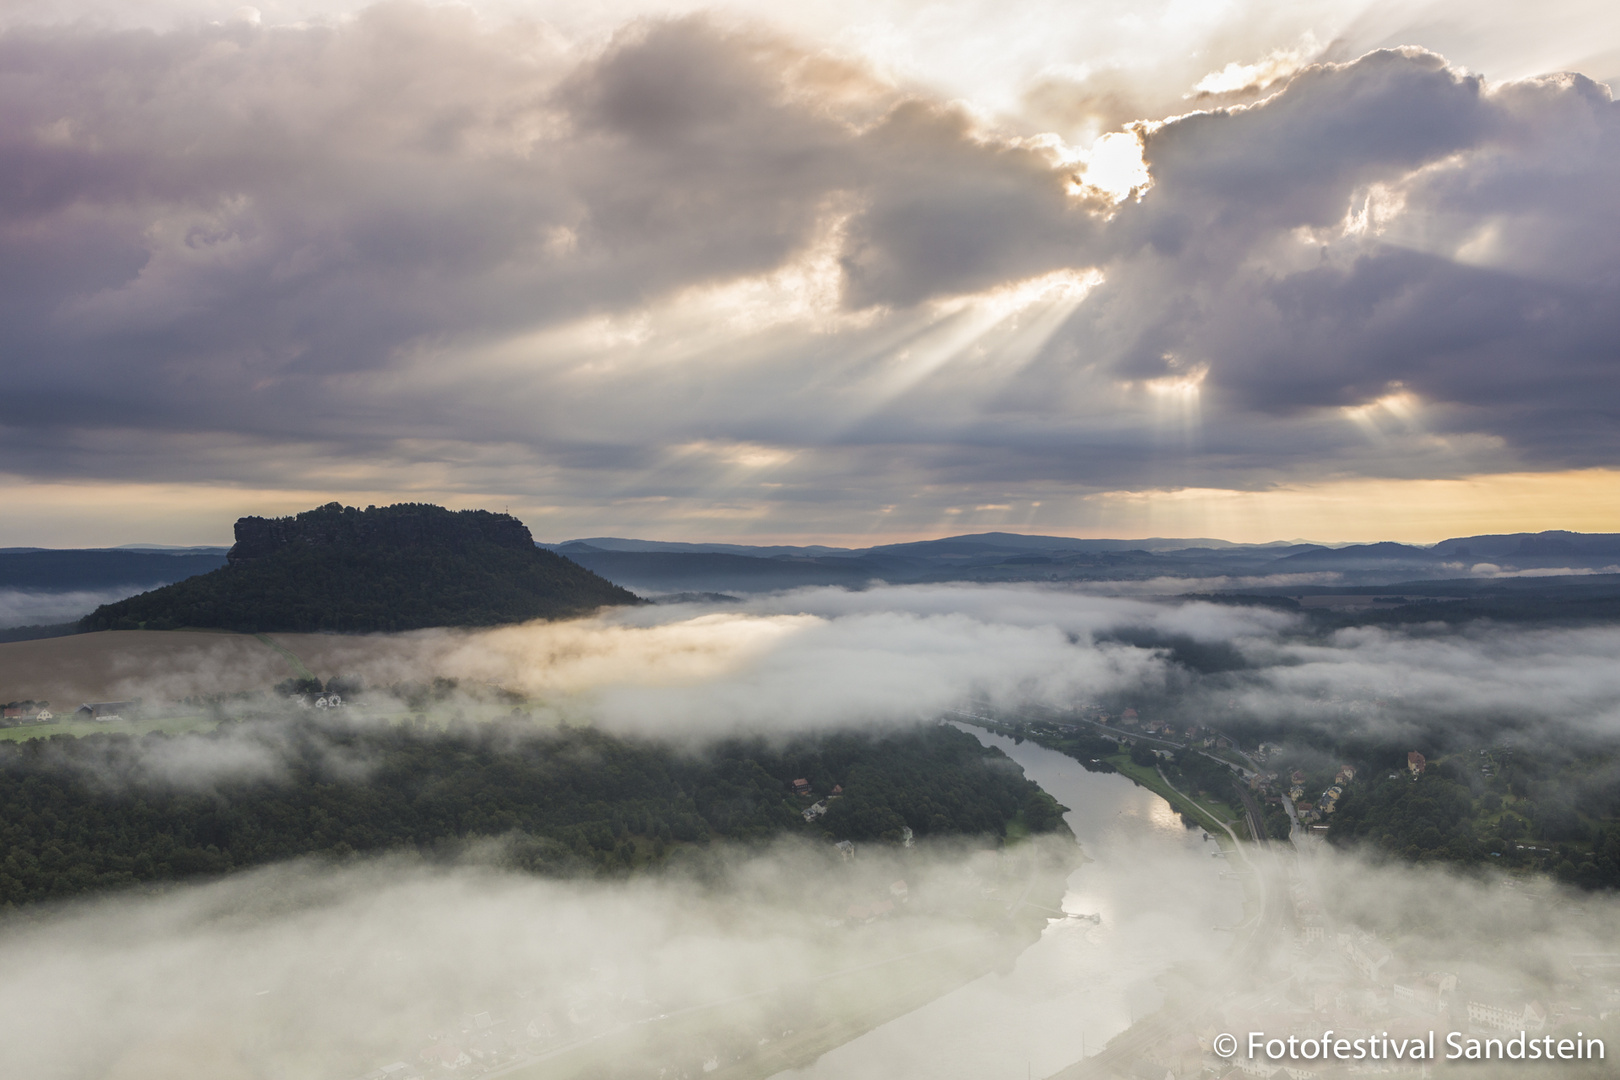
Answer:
[(1160, 894)]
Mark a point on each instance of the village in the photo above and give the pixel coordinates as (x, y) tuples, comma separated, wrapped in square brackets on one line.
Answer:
[(28, 713)]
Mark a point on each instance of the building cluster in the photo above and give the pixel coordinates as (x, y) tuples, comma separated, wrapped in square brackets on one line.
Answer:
[(17, 713), (820, 806), (1195, 735)]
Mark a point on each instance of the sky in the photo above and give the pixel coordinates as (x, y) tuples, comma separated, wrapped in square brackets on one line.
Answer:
[(840, 273)]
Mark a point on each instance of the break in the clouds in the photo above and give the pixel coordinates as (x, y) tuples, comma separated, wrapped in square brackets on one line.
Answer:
[(709, 268)]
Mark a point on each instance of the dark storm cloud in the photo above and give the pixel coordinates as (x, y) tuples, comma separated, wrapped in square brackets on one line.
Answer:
[(958, 216), (1296, 159), (216, 223), (1491, 286), (233, 252)]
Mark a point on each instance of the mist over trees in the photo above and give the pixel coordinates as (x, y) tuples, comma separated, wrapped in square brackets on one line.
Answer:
[(109, 811)]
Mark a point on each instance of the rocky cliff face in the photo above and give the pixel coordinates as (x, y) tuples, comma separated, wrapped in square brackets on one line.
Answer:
[(405, 525)]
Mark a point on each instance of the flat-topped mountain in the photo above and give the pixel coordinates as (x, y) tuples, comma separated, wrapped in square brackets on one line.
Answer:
[(402, 567)]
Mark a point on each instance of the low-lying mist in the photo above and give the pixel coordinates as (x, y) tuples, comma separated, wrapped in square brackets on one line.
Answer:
[(744, 964), (327, 969), (321, 970), (830, 657), (826, 658), (29, 607)]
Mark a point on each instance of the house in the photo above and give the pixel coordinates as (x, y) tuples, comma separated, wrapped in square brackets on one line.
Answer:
[(1345, 774), (838, 789), (801, 787), (813, 812), (846, 849), (1506, 1015), (1366, 954), (103, 711), (26, 712), (1415, 763)]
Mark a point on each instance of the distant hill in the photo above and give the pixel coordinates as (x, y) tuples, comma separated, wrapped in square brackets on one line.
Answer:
[(91, 568), (710, 570), (402, 567), (661, 567)]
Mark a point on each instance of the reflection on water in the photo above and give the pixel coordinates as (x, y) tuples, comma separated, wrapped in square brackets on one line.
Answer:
[(1159, 896)]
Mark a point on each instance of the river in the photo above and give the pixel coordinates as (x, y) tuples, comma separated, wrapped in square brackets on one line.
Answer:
[(1160, 896)]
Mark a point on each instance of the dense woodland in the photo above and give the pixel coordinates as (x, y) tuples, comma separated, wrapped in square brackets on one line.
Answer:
[(108, 811), (1504, 806), (399, 567)]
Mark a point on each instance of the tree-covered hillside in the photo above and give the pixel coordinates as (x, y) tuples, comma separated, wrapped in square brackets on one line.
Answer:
[(107, 811), (398, 567), (1509, 808)]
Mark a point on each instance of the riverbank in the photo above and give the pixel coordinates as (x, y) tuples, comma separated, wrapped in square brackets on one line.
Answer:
[(1150, 902), (1219, 819)]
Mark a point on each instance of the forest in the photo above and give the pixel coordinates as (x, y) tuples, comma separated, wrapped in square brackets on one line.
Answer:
[(1508, 806), (111, 811)]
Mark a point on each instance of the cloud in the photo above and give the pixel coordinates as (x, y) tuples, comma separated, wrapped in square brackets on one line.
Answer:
[(297, 966), (426, 249), (823, 658), (196, 764), (1391, 226), (316, 968), (1481, 681), (308, 968), (26, 607)]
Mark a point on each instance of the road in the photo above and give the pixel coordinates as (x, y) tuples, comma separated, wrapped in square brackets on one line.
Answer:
[(1255, 815)]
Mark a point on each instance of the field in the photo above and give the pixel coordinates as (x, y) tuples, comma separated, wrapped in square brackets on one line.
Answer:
[(119, 665), (172, 665)]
